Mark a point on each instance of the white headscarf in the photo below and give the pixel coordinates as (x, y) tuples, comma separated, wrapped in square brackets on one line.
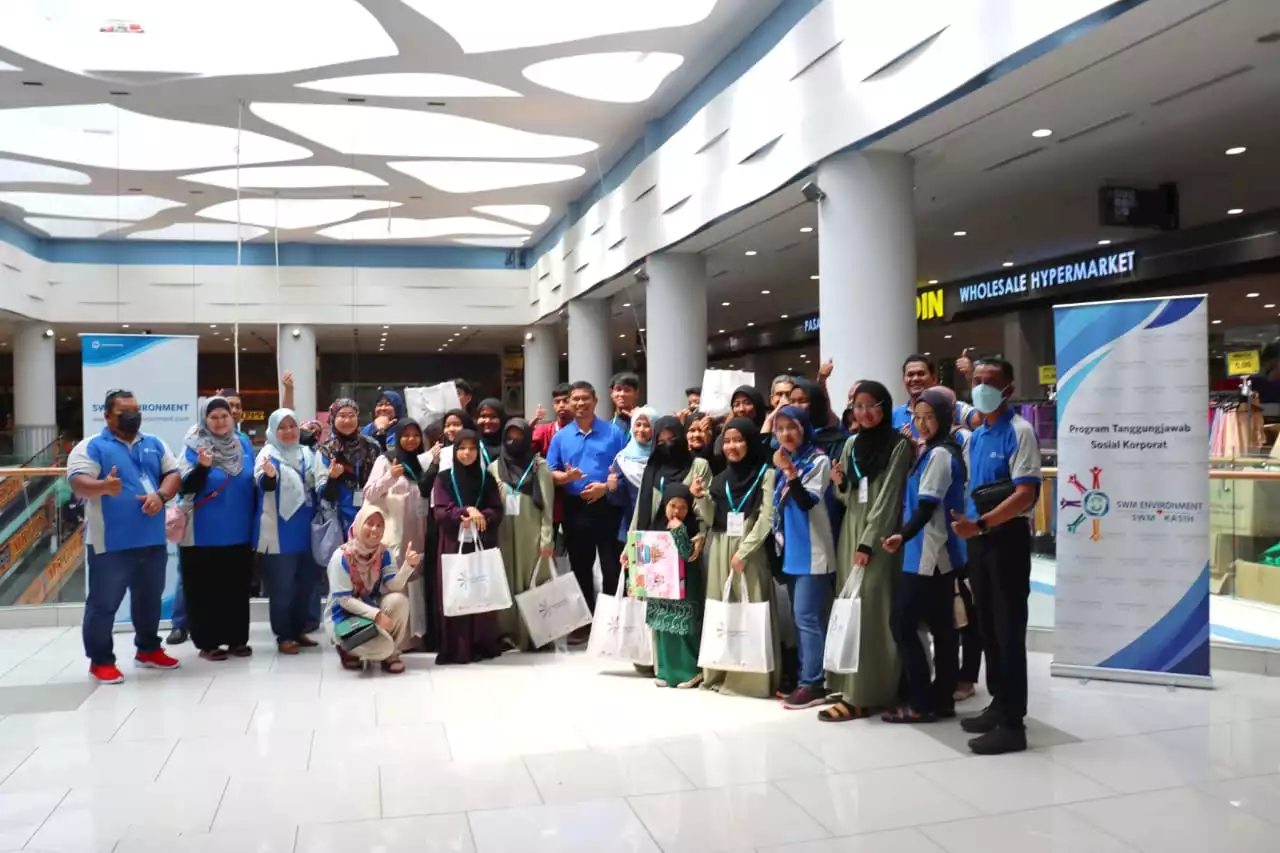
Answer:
[(227, 451), (289, 462)]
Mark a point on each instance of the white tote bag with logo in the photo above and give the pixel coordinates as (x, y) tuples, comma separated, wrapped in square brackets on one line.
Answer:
[(553, 609), (474, 583), (844, 629), (618, 630), (737, 636)]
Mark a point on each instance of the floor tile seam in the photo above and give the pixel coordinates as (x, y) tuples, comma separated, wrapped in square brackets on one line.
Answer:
[(1112, 792), (56, 806), (297, 831), (803, 810), (248, 726), (1228, 772), (212, 820), (1203, 787), (1065, 807), (19, 766), (311, 748), (1078, 815), (165, 763), (120, 727)]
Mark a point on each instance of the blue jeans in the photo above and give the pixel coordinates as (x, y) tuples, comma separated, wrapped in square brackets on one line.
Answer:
[(290, 581), (811, 597), (140, 571), (179, 619)]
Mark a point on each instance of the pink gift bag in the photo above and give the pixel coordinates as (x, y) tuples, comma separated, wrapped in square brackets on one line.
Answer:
[(656, 570)]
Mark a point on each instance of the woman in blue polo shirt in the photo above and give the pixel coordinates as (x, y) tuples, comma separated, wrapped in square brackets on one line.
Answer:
[(346, 461), (285, 474), (217, 552)]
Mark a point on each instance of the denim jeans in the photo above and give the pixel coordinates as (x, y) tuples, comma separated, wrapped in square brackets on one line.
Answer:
[(140, 571), (179, 619), (811, 597), (290, 581)]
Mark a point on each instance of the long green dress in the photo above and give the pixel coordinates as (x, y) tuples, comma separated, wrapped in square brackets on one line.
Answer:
[(877, 682), (677, 625), (521, 538), (750, 548)]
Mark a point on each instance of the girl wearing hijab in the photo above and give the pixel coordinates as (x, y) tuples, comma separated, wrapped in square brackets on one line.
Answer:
[(387, 413), (216, 555), (285, 473), (366, 583), (802, 530), (813, 398), (455, 421), (527, 530), (490, 416), (628, 468), (870, 482), (677, 625), (739, 543), (932, 553), (398, 487), (749, 403), (467, 504), (346, 461)]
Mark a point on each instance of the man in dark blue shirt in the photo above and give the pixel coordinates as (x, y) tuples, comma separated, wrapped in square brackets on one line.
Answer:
[(579, 458)]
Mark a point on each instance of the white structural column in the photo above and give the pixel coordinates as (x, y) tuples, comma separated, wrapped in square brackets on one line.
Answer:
[(676, 320), (589, 347), (298, 355), (35, 400), (541, 368), (867, 269)]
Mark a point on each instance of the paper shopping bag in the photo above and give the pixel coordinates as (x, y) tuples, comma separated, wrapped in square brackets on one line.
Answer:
[(844, 629), (737, 636), (618, 631), (474, 583), (553, 609), (718, 387), (655, 567)]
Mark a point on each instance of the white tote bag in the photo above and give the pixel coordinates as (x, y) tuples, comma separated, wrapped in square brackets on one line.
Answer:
[(474, 583), (718, 387), (618, 631), (553, 609), (737, 636), (844, 629)]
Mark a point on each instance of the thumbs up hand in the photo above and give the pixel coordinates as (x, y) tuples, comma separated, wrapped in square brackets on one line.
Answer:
[(697, 489), (111, 484), (964, 364)]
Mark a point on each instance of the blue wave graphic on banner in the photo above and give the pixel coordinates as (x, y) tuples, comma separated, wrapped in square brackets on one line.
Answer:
[(1179, 642), (102, 350)]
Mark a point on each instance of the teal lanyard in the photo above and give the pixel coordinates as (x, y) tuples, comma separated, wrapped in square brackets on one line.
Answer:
[(853, 460), (454, 480), (484, 451), (738, 507), (516, 488)]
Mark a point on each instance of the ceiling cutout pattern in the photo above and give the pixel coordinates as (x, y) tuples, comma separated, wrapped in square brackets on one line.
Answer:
[(411, 120)]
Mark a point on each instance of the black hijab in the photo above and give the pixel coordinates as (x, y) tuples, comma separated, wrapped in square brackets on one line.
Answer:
[(667, 464), (873, 447), (669, 491), (467, 480), (492, 441), (757, 401), (739, 479), (516, 461), (463, 417), (407, 458)]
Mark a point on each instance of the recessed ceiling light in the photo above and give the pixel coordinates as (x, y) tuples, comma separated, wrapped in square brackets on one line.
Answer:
[(124, 325), (622, 336), (933, 281), (960, 234), (626, 305), (464, 328), (213, 325), (724, 304), (622, 77), (721, 332), (1104, 242), (928, 353), (642, 328), (947, 337), (1235, 211), (473, 176), (1239, 149), (806, 230), (244, 349), (1217, 322), (750, 324), (750, 253), (813, 278), (63, 340), (1007, 264), (624, 354), (289, 213), (410, 85), (564, 355), (1042, 133), (1269, 305), (1251, 296), (784, 316), (764, 293)]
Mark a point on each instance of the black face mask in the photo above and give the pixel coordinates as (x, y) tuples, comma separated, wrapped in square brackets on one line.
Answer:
[(129, 422), (307, 438)]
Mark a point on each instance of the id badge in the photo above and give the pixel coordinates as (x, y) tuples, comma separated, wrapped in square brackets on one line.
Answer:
[(864, 490), (357, 499), (737, 524), (511, 504), (147, 485)]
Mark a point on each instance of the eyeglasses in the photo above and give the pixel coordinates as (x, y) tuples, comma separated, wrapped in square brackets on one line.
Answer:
[(863, 408)]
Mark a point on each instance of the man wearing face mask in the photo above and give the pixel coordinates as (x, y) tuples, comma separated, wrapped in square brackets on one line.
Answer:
[(1003, 460), (125, 476)]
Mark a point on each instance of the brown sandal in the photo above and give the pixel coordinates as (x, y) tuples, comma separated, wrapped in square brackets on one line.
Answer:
[(395, 666), (287, 647), (842, 712), (241, 651), (214, 654), (349, 661)]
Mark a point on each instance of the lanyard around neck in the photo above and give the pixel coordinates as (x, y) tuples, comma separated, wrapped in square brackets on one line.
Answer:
[(457, 494), (517, 486), (738, 507)]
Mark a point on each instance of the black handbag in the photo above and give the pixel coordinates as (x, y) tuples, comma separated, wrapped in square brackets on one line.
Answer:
[(353, 632), (989, 496)]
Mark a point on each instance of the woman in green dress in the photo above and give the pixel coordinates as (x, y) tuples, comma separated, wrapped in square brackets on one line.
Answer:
[(677, 624), (525, 535), (739, 542), (870, 481)]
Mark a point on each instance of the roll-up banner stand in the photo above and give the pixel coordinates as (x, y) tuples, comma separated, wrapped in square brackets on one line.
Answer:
[(161, 372), (1132, 600)]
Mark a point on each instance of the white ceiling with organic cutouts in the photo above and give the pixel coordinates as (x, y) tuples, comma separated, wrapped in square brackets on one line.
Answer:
[(408, 121)]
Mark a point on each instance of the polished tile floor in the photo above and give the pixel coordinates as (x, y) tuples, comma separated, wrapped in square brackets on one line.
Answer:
[(550, 754)]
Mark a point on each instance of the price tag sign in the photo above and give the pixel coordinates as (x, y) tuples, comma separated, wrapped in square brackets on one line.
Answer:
[(1243, 363), (1048, 374)]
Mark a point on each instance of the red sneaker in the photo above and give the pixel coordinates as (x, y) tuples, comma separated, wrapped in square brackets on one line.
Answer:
[(156, 660), (106, 673)]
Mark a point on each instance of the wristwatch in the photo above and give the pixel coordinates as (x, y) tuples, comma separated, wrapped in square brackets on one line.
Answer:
[(982, 524)]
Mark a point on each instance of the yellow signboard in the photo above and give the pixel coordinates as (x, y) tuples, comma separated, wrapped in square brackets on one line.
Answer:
[(929, 304), (1048, 374), (1243, 363)]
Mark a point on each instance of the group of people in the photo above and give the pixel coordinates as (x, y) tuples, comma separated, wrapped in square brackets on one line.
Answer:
[(921, 511)]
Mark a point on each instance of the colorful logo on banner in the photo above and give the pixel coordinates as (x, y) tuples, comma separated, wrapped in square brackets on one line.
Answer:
[(1092, 504)]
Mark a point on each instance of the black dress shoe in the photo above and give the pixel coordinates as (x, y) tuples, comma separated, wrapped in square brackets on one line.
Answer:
[(177, 637), (999, 741), (989, 720)]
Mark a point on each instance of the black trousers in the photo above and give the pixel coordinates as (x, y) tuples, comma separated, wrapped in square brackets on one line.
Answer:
[(215, 581), (1000, 571), (591, 531), (926, 600), (970, 635)]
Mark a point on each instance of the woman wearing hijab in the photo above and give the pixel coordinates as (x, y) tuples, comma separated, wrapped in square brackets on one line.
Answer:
[(870, 482), (467, 504), (388, 412), (628, 468), (490, 416), (526, 535), (739, 543), (346, 461), (802, 531), (455, 421), (285, 473), (433, 438), (367, 584), (813, 398), (216, 555), (398, 486), (676, 624)]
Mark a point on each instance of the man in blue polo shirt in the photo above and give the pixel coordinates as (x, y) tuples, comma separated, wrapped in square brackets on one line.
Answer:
[(126, 476), (919, 373), (579, 458), (1003, 450)]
